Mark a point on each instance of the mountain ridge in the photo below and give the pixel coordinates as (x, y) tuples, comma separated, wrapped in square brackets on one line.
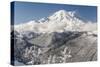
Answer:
[(58, 22)]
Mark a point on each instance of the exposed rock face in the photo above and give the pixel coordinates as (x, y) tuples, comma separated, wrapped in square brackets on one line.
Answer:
[(55, 47)]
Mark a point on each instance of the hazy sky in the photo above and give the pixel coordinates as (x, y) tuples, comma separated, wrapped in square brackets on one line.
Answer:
[(26, 11)]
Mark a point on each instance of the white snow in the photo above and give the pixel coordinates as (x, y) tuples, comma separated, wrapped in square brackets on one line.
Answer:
[(58, 22)]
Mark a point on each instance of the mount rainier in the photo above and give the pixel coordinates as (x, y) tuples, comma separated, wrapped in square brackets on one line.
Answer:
[(60, 21), (59, 38)]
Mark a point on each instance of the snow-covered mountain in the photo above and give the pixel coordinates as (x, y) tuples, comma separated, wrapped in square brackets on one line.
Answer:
[(59, 38), (58, 22)]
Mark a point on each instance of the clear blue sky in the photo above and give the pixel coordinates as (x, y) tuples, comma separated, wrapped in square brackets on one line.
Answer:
[(26, 11)]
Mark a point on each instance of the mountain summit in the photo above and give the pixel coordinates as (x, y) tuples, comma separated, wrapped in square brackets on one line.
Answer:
[(59, 21), (62, 15)]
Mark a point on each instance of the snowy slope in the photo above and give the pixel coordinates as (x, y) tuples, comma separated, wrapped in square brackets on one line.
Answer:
[(60, 21)]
